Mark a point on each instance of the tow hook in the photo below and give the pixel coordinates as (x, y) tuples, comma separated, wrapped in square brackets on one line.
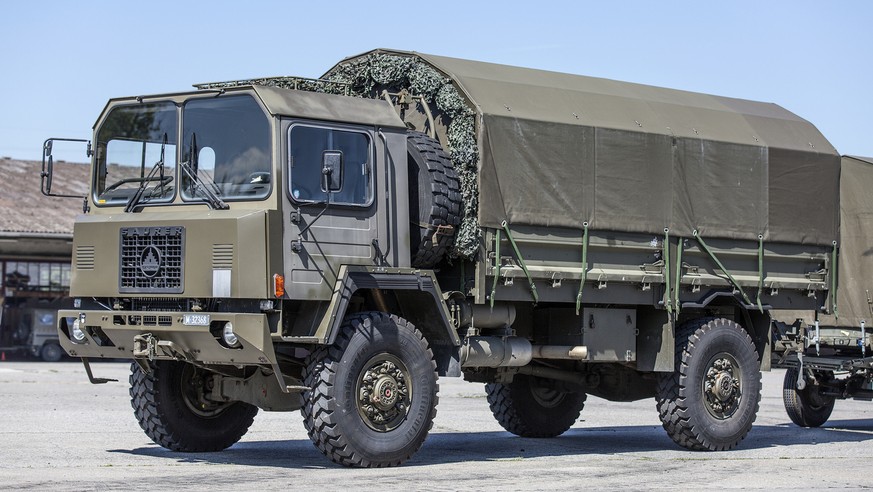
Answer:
[(147, 346)]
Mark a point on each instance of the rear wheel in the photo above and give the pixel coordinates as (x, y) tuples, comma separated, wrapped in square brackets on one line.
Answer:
[(373, 393), (807, 407), (532, 407), (171, 407), (711, 399)]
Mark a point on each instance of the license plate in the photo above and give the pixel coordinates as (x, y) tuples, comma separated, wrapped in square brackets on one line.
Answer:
[(195, 319)]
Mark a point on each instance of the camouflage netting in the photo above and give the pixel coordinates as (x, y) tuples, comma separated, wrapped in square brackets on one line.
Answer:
[(369, 75)]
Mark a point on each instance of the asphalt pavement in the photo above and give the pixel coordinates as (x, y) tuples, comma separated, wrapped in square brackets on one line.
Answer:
[(59, 432)]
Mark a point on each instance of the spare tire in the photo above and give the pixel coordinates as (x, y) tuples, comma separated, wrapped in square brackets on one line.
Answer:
[(434, 200)]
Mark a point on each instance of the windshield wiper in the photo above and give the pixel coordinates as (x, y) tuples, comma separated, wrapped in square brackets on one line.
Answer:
[(158, 167), (189, 167)]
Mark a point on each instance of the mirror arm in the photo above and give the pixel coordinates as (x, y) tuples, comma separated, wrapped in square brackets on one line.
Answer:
[(48, 167)]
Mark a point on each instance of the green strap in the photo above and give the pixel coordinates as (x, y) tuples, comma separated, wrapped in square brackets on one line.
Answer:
[(834, 280), (496, 267), (584, 267), (533, 287), (676, 304), (760, 270), (721, 267), (668, 299)]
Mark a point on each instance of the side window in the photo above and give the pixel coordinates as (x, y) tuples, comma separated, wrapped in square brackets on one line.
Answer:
[(307, 147)]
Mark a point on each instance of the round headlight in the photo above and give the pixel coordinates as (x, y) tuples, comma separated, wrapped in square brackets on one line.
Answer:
[(230, 338), (76, 332)]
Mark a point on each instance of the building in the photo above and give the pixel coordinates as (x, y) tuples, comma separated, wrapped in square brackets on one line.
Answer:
[(36, 237)]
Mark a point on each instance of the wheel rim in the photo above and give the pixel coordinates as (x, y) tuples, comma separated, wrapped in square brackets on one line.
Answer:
[(813, 394), (547, 397), (384, 392), (722, 386), (195, 384)]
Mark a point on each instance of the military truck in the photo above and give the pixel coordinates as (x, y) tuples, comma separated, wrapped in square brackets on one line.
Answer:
[(829, 356), (30, 327), (335, 245)]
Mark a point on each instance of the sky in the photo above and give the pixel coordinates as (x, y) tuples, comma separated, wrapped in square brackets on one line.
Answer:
[(61, 60)]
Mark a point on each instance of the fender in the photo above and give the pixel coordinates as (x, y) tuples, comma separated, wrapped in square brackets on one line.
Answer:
[(418, 294)]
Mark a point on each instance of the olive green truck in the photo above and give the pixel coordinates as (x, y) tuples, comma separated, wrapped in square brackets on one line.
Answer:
[(335, 245)]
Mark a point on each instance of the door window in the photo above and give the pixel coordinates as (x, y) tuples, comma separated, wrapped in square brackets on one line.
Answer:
[(307, 147)]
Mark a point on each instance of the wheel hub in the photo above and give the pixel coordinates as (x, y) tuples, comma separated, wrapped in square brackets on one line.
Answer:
[(196, 385), (384, 392), (722, 387)]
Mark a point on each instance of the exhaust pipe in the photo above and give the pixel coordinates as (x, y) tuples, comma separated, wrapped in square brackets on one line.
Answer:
[(484, 351)]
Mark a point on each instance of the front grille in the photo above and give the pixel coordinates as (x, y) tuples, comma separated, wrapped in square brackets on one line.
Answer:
[(151, 259), (137, 320), (169, 304)]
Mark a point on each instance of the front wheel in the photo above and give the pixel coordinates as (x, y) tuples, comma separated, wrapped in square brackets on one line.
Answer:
[(170, 404), (711, 399), (807, 407), (373, 393), (532, 407)]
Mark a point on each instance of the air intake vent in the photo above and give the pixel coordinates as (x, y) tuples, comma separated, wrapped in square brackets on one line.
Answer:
[(84, 257), (222, 256)]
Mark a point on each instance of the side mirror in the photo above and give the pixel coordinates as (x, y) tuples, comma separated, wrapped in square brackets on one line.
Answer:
[(47, 167), (332, 171), (47, 175)]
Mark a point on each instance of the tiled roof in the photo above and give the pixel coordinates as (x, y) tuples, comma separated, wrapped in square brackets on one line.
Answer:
[(24, 209)]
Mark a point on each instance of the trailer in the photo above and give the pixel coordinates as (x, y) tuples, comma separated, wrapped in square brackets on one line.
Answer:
[(336, 245), (829, 356)]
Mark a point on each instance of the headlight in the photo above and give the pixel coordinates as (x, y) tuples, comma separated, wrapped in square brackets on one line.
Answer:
[(76, 332), (229, 337)]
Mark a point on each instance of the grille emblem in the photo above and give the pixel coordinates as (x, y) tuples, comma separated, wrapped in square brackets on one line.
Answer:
[(150, 261)]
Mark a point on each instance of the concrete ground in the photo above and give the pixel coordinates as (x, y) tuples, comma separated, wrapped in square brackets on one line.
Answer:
[(59, 432)]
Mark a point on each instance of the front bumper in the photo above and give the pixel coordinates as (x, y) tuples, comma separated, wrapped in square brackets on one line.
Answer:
[(163, 336)]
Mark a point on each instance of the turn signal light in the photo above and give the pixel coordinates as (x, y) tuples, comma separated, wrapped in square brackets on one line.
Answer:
[(278, 285)]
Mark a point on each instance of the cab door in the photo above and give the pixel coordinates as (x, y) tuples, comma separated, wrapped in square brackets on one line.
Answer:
[(331, 194)]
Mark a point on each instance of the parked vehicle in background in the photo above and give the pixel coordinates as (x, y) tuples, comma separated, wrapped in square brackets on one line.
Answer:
[(31, 328)]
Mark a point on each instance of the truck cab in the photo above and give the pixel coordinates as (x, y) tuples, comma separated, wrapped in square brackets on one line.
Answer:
[(227, 202)]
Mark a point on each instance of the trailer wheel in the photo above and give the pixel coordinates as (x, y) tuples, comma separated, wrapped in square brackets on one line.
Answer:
[(170, 406), (711, 399), (51, 352), (807, 407), (528, 407), (434, 200), (373, 393)]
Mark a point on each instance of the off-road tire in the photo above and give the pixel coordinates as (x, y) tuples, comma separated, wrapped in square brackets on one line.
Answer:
[(527, 408), (434, 200), (51, 352), (686, 408), (332, 408), (807, 407), (161, 409)]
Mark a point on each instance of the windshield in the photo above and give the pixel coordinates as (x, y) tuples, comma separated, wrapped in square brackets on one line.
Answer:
[(225, 149), (130, 143)]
